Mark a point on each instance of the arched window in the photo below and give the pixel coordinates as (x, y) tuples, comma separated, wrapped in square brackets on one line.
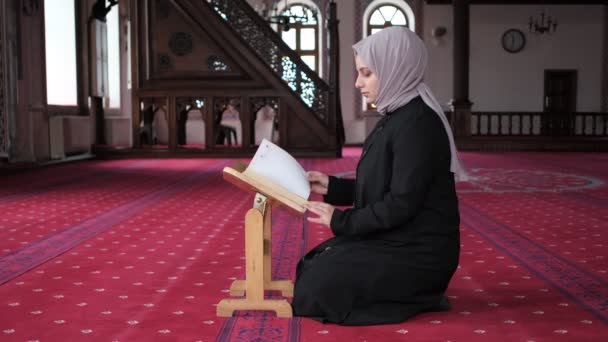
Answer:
[(381, 14), (302, 37), (385, 13), (113, 100), (385, 16), (60, 39)]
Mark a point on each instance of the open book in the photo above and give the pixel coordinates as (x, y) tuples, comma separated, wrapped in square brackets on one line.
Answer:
[(274, 173)]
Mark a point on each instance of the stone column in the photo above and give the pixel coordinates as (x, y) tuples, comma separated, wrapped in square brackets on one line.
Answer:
[(604, 93), (3, 112), (461, 105), (335, 103)]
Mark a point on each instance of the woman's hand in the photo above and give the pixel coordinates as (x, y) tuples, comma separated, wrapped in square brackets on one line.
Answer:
[(324, 210), (318, 182)]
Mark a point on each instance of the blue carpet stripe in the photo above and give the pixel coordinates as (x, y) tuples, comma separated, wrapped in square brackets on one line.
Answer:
[(28, 257)]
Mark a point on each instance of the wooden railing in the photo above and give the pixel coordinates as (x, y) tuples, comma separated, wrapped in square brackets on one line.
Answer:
[(591, 124), (505, 123), (539, 124)]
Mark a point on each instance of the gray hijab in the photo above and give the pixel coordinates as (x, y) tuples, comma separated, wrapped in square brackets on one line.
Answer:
[(398, 57)]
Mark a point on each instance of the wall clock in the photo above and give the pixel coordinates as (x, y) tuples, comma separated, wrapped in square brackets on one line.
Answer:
[(513, 40)]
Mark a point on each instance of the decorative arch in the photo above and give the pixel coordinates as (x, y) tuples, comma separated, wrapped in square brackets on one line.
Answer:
[(401, 5), (403, 14)]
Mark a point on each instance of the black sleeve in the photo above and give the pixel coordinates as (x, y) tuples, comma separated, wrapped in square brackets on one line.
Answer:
[(340, 191), (412, 173)]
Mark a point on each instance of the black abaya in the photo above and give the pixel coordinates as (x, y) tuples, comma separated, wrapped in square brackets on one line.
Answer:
[(396, 250)]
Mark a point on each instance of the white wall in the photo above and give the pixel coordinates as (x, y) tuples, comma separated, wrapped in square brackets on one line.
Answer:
[(576, 44), (439, 74), (501, 81), (354, 126)]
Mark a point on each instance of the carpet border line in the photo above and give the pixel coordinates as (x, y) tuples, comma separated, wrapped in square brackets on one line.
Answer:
[(556, 285)]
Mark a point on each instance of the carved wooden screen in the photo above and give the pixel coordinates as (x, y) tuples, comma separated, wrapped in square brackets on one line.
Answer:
[(220, 52), (279, 57)]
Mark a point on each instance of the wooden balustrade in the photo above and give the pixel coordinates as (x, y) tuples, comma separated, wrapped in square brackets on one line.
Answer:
[(589, 124)]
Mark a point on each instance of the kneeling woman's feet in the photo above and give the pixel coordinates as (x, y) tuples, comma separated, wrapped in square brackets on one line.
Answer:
[(443, 305)]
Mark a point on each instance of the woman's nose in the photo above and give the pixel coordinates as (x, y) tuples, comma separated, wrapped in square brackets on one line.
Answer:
[(358, 83)]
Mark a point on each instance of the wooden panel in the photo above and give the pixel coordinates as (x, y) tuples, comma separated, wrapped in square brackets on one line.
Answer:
[(185, 34), (560, 101), (180, 51), (301, 133)]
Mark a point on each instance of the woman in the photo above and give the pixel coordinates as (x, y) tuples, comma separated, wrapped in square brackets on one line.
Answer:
[(396, 250)]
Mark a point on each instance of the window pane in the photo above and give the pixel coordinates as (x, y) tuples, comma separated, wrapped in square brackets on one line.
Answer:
[(310, 60), (296, 10), (60, 35), (307, 39), (376, 18), (289, 37), (113, 58), (311, 18), (293, 10), (399, 19), (300, 11), (388, 12), (374, 30)]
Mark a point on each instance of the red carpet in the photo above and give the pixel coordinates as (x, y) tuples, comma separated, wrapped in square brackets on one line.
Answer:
[(141, 250)]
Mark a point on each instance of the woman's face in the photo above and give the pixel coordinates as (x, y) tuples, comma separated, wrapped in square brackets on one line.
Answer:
[(366, 82)]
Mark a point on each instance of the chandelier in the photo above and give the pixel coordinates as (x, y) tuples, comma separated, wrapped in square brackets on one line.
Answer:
[(285, 19), (542, 26)]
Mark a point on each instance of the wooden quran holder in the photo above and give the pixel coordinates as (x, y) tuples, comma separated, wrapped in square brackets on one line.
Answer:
[(258, 246)]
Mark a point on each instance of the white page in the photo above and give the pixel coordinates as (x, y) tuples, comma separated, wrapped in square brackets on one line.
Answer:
[(276, 164)]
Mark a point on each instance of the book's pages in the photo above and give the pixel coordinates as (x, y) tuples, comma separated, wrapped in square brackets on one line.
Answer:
[(278, 166), (274, 173)]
